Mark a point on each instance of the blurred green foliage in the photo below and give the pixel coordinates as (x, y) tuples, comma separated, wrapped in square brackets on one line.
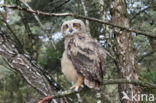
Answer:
[(13, 89)]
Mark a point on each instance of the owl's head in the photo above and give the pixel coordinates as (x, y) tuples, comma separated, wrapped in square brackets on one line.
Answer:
[(73, 27)]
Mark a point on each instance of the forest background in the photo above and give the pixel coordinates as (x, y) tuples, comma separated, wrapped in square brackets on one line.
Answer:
[(31, 46)]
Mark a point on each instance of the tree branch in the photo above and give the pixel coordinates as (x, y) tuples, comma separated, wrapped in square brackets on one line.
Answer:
[(13, 35), (135, 82), (105, 82), (26, 24), (29, 69), (23, 64), (59, 95), (59, 6), (78, 16), (38, 20), (148, 54), (143, 10)]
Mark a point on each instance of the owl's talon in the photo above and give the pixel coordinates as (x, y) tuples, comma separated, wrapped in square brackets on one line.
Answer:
[(72, 87), (76, 87), (82, 85)]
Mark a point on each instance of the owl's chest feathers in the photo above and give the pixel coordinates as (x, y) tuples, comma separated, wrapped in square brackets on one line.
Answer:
[(67, 66), (75, 40), (72, 44)]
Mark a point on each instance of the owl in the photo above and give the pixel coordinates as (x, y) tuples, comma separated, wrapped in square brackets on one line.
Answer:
[(83, 59)]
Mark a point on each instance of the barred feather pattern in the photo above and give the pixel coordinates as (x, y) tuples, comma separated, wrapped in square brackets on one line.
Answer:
[(87, 57)]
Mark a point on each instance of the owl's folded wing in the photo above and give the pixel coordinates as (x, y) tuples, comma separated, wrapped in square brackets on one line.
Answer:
[(86, 60)]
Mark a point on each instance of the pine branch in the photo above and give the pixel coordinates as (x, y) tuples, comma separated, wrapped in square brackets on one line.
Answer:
[(25, 22), (141, 11), (13, 34), (39, 22), (62, 4), (135, 82), (59, 95), (105, 82), (78, 16), (146, 55)]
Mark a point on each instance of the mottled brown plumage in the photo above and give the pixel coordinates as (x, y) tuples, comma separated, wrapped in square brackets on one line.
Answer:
[(83, 58)]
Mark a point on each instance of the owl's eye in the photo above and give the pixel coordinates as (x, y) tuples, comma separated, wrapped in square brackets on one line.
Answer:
[(76, 25), (66, 27)]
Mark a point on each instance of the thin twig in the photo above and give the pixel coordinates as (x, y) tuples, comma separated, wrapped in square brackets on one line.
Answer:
[(148, 54), (41, 26), (24, 20), (78, 16), (141, 11), (35, 16), (66, 1)]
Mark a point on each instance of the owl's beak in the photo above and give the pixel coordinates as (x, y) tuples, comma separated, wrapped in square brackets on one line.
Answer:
[(70, 30)]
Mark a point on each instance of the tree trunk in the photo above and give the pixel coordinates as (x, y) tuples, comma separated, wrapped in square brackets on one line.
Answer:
[(26, 66), (124, 51)]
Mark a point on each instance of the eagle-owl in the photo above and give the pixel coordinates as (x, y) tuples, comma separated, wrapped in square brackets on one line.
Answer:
[(83, 59)]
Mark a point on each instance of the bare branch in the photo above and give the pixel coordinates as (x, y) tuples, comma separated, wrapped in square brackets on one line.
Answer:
[(79, 16), (59, 95), (13, 34), (23, 64), (29, 69), (105, 82), (135, 82)]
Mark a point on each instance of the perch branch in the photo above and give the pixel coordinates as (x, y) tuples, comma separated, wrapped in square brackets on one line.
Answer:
[(29, 69), (59, 95), (105, 82), (78, 16)]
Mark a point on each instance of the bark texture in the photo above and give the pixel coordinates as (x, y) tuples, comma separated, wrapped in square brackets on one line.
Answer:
[(124, 50), (23, 64), (31, 71)]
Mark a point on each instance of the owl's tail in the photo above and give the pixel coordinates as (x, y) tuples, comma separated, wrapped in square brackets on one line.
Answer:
[(92, 84)]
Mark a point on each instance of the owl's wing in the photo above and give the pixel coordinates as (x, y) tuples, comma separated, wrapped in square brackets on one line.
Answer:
[(87, 59)]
